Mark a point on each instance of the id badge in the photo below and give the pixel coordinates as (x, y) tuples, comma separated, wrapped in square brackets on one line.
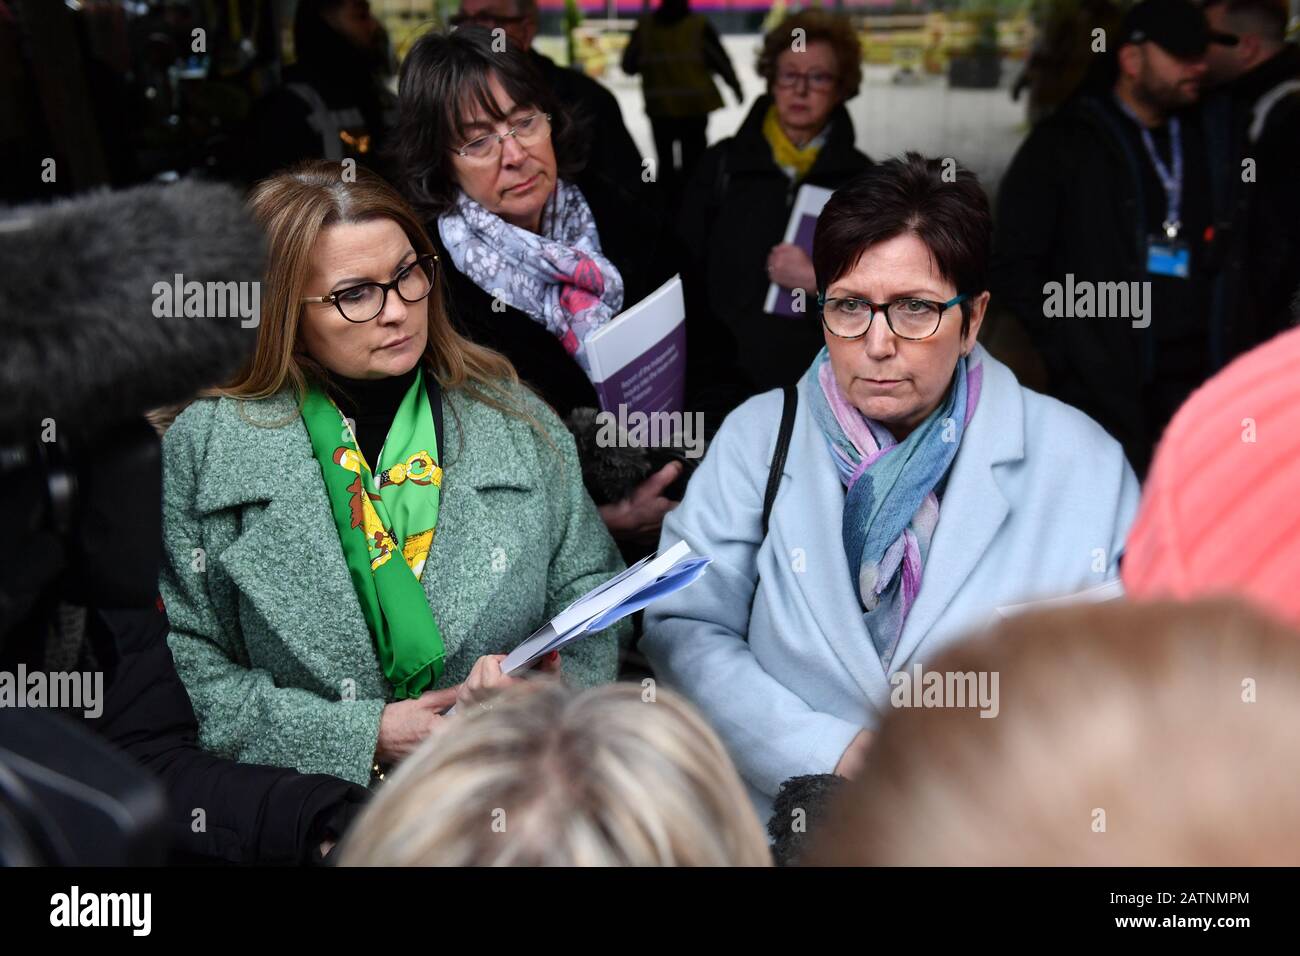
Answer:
[(1168, 257)]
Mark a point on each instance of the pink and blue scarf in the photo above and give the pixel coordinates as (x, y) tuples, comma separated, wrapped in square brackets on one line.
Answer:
[(559, 278), (890, 505)]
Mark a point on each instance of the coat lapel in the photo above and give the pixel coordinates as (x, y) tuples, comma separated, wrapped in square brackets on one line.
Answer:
[(973, 507), (287, 561), (480, 455)]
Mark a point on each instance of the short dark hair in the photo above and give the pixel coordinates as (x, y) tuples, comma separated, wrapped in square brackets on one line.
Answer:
[(443, 77), (1263, 18), (939, 202), (818, 25)]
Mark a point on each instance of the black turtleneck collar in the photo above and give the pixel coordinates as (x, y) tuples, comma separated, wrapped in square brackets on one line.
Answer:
[(371, 403)]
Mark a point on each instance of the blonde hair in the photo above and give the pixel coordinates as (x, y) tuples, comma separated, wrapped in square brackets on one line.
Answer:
[(1127, 735), (552, 777), (294, 207)]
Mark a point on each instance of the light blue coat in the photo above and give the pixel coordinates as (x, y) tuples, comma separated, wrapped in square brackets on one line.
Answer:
[(770, 644)]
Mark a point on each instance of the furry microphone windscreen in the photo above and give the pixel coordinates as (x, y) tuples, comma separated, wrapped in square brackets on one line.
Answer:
[(114, 303)]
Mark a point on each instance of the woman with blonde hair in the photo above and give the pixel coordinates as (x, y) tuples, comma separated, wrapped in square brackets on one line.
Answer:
[(541, 776), (342, 559)]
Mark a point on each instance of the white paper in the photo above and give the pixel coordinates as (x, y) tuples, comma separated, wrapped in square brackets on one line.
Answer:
[(1110, 591), (637, 328), (574, 621)]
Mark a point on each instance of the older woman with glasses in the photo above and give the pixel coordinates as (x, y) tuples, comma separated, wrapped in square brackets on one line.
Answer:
[(919, 490), (734, 215), (372, 511), (538, 253)]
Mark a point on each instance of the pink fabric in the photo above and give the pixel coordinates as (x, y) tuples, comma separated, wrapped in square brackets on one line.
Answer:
[(1221, 512)]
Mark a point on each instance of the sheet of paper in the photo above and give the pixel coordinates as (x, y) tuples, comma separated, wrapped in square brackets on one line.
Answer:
[(627, 592), (1109, 591)]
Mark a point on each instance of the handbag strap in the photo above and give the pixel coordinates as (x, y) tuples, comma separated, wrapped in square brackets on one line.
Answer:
[(790, 406)]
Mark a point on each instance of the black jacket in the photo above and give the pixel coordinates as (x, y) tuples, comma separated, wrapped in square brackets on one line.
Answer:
[(249, 813), (627, 238), (1261, 227), (333, 104), (612, 152), (736, 208), (1078, 200)]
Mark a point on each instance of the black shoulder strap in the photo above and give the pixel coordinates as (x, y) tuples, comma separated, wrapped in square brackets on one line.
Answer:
[(721, 177), (434, 391), (782, 449)]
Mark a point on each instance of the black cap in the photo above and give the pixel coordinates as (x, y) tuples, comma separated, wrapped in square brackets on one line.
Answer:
[(1176, 26)]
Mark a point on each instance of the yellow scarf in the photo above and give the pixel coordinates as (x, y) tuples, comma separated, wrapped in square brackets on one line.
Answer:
[(785, 153)]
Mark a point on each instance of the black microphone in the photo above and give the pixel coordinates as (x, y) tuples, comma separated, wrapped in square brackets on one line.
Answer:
[(114, 303)]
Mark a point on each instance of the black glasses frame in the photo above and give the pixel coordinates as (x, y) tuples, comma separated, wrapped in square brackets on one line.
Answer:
[(426, 262), (884, 308)]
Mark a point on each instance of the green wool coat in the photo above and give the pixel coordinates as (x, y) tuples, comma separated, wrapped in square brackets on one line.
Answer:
[(266, 628)]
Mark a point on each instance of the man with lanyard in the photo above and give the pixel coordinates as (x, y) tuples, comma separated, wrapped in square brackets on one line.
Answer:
[(1115, 189)]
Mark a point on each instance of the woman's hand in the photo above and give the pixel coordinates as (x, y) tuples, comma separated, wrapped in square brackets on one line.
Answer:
[(486, 678), (404, 724), (641, 514), (855, 755), (789, 266)]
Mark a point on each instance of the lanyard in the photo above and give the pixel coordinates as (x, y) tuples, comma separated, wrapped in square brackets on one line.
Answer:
[(1171, 180)]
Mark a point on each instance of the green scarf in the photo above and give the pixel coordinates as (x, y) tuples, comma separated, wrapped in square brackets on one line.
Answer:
[(370, 527)]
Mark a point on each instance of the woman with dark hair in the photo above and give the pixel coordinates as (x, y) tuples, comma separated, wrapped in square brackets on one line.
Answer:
[(738, 202), (538, 254), (334, 104), (923, 490)]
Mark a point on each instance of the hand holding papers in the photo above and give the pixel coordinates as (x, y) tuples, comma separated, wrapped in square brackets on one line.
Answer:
[(651, 578), (803, 221)]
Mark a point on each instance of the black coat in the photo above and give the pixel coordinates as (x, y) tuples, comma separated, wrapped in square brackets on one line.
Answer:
[(1261, 228), (251, 813), (628, 230), (612, 152), (1077, 199), (736, 208)]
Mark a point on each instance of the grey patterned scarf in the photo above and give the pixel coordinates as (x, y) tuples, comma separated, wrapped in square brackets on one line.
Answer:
[(557, 277)]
